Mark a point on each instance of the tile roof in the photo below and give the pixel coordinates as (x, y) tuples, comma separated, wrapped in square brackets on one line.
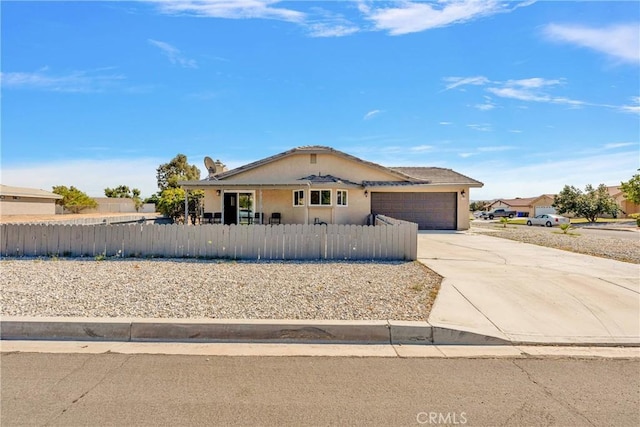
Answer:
[(319, 179), (522, 201), (435, 175), (406, 175)]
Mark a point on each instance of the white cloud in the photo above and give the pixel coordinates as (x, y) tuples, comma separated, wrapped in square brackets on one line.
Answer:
[(635, 108), (412, 17), (613, 145), (621, 42), (407, 17), (446, 123), (532, 89), (422, 148), (371, 114), (74, 82), (230, 9), (326, 23), (508, 179), (487, 106), (454, 82), (174, 54), (89, 175), (493, 149), (331, 30), (482, 127)]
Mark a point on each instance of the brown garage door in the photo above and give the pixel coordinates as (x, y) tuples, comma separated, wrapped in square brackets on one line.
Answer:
[(431, 211)]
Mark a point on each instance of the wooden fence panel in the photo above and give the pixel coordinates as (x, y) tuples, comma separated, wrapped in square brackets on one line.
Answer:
[(266, 242), (10, 245), (86, 240), (52, 241)]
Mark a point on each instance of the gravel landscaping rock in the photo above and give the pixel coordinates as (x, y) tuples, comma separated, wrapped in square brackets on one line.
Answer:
[(170, 288), (627, 250)]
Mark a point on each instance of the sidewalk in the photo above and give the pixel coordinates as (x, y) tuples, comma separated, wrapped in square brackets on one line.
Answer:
[(525, 293)]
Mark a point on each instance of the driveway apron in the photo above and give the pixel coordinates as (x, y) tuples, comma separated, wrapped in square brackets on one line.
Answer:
[(531, 294)]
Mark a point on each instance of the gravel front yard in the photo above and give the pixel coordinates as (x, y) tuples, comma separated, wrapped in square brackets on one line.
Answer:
[(166, 288), (217, 289), (605, 246)]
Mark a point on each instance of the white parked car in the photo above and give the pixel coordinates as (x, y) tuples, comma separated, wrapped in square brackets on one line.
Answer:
[(548, 220)]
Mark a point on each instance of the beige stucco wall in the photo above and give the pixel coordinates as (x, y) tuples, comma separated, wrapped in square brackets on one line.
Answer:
[(628, 207), (298, 166), (293, 167), (281, 200), (119, 205), (27, 206)]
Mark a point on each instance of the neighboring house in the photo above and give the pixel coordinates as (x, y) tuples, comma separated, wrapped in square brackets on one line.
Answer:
[(27, 201), (527, 206), (312, 184), (627, 207)]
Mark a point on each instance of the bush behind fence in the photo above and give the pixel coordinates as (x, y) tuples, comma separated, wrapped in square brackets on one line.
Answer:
[(253, 242)]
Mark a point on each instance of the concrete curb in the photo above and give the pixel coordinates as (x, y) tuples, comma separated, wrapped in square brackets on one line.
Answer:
[(256, 331), (230, 330)]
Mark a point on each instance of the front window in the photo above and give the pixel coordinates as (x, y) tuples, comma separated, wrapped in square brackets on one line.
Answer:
[(341, 197), (298, 198), (320, 197)]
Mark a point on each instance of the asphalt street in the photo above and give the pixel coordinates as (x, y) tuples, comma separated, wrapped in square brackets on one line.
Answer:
[(138, 389)]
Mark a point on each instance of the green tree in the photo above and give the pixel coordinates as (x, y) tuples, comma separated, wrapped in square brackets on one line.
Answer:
[(171, 196), (123, 191), (171, 204), (73, 199), (178, 169), (590, 204), (631, 189), (478, 205)]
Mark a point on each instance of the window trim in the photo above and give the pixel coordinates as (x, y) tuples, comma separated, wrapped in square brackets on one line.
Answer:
[(320, 191), (345, 198), (300, 201)]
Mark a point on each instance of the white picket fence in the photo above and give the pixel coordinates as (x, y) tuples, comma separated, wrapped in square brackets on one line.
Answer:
[(249, 242)]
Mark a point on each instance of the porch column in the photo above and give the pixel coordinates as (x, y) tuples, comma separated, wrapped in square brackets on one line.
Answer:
[(261, 208), (186, 206)]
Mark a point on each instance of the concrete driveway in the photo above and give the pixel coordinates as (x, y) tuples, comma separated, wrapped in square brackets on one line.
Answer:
[(527, 293)]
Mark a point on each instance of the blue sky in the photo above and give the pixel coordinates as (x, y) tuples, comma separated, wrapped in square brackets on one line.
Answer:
[(523, 96)]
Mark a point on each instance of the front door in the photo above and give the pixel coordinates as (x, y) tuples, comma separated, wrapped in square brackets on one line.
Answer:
[(230, 208)]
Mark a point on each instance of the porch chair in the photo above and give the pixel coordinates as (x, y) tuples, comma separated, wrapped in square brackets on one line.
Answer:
[(217, 217), (275, 218), (257, 218), (207, 218)]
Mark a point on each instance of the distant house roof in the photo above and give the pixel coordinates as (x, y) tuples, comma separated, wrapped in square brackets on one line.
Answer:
[(614, 190), (6, 190), (522, 201)]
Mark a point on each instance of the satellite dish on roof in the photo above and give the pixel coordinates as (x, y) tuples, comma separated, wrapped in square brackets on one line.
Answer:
[(210, 165)]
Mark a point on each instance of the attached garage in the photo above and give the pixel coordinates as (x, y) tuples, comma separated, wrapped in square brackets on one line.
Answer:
[(431, 211)]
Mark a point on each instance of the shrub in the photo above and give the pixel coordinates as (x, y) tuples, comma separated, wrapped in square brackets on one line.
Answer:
[(565, 228)]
